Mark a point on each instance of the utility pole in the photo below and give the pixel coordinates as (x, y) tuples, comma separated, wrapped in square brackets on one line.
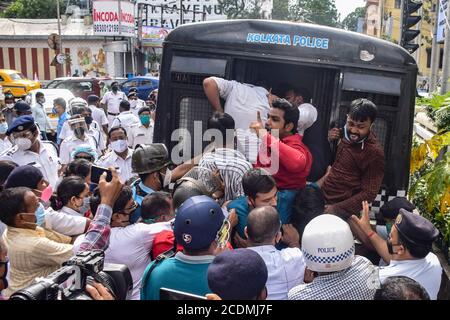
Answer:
[(435, 52), (445, 86), (181, 12), (59, 50)]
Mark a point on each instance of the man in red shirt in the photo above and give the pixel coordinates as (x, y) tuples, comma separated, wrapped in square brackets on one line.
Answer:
[(282, 151)]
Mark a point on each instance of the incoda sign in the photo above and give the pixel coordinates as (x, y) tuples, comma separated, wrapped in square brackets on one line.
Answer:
[(110, 21)]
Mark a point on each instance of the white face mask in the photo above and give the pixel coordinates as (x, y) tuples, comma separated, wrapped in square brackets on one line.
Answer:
[(23, 143), (9, 105), (119, 145)]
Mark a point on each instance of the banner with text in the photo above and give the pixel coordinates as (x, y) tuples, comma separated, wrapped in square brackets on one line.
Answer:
[(108, 21), (441, 20), (167, 14)]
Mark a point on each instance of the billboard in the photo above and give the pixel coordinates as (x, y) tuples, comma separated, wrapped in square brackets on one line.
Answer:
[(153, 36), (441, 20), (108, 21), (167, 14)]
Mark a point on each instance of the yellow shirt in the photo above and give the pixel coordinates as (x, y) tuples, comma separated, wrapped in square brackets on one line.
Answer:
[(33, 253)]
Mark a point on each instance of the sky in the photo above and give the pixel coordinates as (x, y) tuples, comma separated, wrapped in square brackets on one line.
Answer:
[(347, 6)]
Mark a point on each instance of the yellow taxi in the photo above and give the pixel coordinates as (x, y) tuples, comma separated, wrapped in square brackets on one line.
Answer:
[(16, 82)]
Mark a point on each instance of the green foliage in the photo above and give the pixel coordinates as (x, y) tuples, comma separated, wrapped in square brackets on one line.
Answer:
[(33, 9), (351, 20), (430, 167), (321, 12)]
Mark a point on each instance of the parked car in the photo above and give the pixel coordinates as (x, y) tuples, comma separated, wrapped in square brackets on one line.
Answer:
[(80, 87), (144, 85), (50, 95), (17, 83)]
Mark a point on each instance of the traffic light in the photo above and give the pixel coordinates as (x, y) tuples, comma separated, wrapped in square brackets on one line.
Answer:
[(409, 21)]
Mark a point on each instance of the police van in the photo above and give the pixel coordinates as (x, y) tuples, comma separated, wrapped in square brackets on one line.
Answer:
[(335, 66)]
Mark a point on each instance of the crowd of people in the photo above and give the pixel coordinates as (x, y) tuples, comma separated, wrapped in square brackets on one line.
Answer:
[(267, 212)]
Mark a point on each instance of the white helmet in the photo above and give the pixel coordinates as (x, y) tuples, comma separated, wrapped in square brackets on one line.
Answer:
[(327, 244), (78, 102)]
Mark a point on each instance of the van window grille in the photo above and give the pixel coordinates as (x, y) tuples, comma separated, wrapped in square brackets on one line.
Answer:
[(188, 78)]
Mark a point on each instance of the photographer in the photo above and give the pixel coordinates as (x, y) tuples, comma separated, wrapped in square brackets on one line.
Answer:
[(37, 252)]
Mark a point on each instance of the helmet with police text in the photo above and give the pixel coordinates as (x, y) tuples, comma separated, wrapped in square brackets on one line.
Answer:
[(328, 244), (149, 158), (197, 222)]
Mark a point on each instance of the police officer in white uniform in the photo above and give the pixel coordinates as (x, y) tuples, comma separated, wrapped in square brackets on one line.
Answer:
[(126, 119), (111, 100), (94, 129), (80, 137), (143, 133), (120, 155), (29, 149), (135, 103), (98, 114)]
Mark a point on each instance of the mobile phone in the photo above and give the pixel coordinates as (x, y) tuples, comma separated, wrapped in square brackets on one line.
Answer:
[(170, 294), (97, 171)]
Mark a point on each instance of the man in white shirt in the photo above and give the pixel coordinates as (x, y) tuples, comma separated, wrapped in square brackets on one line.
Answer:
[(407, 250), (129, 244), (80, 137), (242, 101), (135, 103), (111, 101), (126, 119), (286, 267), (98, 114), (40, 116), (94, 129), (4, 140), (29, 149), (120, 155), (143, 133)]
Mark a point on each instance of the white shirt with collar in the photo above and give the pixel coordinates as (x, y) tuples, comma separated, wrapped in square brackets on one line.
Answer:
[(69, 145), (111, 159), (113, 100), (136, 105), (65, 223), (70, 212), (97, 133), (131, 245), (126, 120), (141, 134), (46, 160), (426, 271), (39, 115), (99, 115), (286, 269), (5, 144)]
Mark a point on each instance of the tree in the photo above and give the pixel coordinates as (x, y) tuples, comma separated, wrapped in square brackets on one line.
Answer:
[(280, 10), (321, 12), (351, 20), (33, 9), (241, 9)]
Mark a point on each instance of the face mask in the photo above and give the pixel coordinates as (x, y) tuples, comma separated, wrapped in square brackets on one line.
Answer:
[(88, 120), (388, 227), (115, 88), (85, 206), (347, 136), (133, 104), (40, 215), (79, 132), (10, 105), (145, 119), (23, 143), (46, 193), (54, 111), (41, 100), (119, 145), (3, 127)]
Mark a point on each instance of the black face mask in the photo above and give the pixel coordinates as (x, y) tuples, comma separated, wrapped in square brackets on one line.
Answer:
[(88, 120), (115, 88)]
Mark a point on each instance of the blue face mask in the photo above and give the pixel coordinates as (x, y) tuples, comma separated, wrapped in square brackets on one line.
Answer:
[(3, 127), (54, 110), (40, 215)]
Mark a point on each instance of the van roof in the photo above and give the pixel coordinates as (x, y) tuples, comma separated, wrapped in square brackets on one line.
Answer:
[(289, 39)]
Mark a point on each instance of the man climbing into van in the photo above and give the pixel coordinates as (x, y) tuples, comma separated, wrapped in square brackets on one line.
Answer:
[(358, 170), (242, 101)]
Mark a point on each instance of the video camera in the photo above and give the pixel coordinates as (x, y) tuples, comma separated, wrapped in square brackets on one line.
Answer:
[(69, 282)]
